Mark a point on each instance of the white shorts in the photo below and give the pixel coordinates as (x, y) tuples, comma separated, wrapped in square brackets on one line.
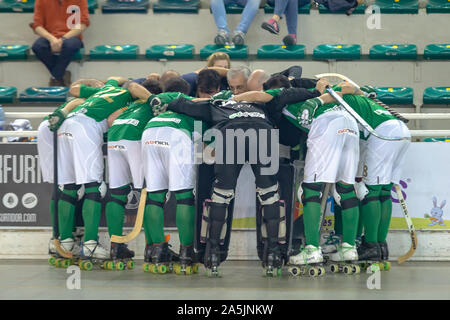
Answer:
[(125, 163), (168, 156), (80, 156), (45, 151), (333, 149), (383, 160)]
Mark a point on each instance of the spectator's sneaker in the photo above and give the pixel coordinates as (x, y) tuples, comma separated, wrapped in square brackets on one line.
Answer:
[(238, 38), (271, 26), (56, 83), (290, 40), (67, 79), (222, 38)]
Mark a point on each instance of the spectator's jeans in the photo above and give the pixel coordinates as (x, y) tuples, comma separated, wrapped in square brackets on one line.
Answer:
[(288, 8), (250, 11), (56, 63)]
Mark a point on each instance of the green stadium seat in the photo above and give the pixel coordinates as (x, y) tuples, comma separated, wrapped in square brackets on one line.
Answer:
[(78, 55), (358, 10), (393, 51), (437, 51), (128, 51), (170, 51), (233, 8), (125, 6), (302, 9), (176, 6), (8, 94), (398, 6), (16, 5), (92, 5), (44, 94), (13, 52), (395, 95), (438, 6), (277, 51), (436, 140), (235, 52), (436, 95), (337, 51)]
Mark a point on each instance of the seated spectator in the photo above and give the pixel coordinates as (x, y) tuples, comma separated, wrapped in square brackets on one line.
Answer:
[(289, 8), (58, 40), (223, 34), (219, 59)]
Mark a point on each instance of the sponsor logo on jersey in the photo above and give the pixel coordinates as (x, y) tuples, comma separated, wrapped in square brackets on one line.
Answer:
[(81, 111), (65, 135), (350, 131), (157, 143), (247, 114), (166, 120), (117, 147), (133, 122), (382, 112)]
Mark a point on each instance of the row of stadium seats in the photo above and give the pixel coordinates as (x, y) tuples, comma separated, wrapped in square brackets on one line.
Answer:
[(270, 51), (389, 95), (192, 6)]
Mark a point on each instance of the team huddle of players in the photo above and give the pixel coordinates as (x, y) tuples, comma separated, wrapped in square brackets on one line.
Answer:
[(150, 128)]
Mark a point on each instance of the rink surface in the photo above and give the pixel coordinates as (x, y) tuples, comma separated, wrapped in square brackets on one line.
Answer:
[(35, 279)]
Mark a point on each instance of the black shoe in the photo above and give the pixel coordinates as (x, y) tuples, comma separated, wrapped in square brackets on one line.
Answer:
[(369, 251), (289, 40), (384, 250), (186, 255), (161, 253), (271, 27), (148, 253), (120, 251)]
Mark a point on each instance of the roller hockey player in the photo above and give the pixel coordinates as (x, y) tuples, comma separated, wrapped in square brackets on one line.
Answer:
[(80, 140)]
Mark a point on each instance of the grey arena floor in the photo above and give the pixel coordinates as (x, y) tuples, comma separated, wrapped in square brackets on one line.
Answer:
[(35, 279)]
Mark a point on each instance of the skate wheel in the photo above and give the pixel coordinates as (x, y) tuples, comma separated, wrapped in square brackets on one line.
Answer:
[(387, 265), (153, 268), (80, 264), (195, 268), (313, 272), (356, 269), (120, 266), (188, 270), (66, 263), (87, 265), (130, 265), (334, 268), (279, 272), (162, 269), (177, 268), (321, 271), (146, 267), (374, 267), (347, 270), (52, 261), (295, 271)]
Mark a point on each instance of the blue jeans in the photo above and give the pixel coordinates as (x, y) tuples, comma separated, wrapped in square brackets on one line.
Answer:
[(290, 9), (249, 13), (56, 63)]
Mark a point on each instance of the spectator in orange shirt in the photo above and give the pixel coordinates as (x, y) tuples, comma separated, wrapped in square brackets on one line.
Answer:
[(59, 24)]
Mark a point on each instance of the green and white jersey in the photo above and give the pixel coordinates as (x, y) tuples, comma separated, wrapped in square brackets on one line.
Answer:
[(223, 95), (131, 123), (173, 119), (101, 102)]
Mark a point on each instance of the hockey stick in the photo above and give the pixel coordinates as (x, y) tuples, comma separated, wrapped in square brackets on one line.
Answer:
[(412, 230), (342, 77), (63, 253), (137, 225), (323, 203), (358, 118)]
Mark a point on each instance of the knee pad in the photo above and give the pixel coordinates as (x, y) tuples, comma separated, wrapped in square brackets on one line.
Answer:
[(118, 195), (268, 196), (273, 226), (95, 191), (156, 198), (372, 195), (185, 197), (346, 192), (67, 193), (81, 191), (312, 192), (214, 221), (361, 190), (385, 194), (222, 195)]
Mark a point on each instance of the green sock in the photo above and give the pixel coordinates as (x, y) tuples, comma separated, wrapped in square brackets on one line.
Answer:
[(92, 213), (371, 213), (154, 216), (115, 210), (66, 212), (350, 212), (311, 212), (386, 212), (360, 221), (185, 217), (337, 219)]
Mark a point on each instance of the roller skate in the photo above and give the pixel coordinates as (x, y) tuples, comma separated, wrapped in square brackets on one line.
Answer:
[(369, 254), (385, 265), (160, 259), (345, 260), (121, 257), (92, 253), (272, 261), (185, 265), (60, 262), (330, 243), (212, 260), (308, 262)]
